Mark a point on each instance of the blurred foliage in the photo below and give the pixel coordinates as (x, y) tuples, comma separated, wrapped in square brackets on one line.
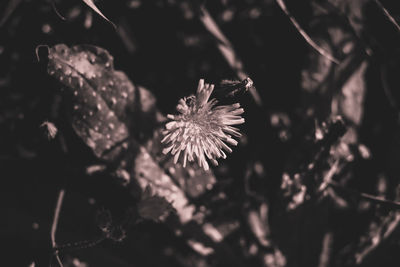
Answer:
[(313, 181)]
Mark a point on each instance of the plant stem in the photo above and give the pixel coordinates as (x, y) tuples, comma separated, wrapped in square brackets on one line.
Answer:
[(56, 217)]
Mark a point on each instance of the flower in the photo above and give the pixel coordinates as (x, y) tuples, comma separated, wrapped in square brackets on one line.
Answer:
[(202, 129)]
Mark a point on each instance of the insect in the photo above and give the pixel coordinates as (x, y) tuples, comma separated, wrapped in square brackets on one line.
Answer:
[(233, 88)]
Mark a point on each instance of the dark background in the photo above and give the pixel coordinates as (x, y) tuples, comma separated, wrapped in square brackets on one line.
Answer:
[(163, 46)]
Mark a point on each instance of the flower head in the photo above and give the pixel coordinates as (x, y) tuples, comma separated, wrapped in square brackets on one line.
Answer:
[(202, 129)]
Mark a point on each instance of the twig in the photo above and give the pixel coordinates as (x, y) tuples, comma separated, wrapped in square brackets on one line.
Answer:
[(383, 234), (326, 250), (57, 210), (227, 50), (328, 177), (308, 39), (81, 244), (387, 14), (378, 200)]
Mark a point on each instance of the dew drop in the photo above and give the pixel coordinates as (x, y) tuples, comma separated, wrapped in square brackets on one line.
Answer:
[(111, 83), (90, 113), (103, 88), (92, 59), (124, 94), (111, 126), (98, 106), (76, 107), (75, 93), (171, 170), (94, 93), (113, 101)]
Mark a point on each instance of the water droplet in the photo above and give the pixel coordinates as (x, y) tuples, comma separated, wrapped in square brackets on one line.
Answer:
[(171, 170), (76, 107), (98, 107), (96, 128), (75, 93), (103, 88), (124, 94), (94, 93), (92, 58), (108, 136), (90, 113), (80, 82), (111, 83), (113, 101), (111, 126)]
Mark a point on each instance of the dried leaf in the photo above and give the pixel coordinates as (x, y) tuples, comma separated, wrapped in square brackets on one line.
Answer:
[(153, 207), (149, 174)]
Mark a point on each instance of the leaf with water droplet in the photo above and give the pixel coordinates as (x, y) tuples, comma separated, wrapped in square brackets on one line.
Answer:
[(83, 71)]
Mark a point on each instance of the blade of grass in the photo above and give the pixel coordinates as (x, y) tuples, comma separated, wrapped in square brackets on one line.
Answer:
[(56, 217), (94, 7), (387, 14), (12, 5), (306, 37)]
